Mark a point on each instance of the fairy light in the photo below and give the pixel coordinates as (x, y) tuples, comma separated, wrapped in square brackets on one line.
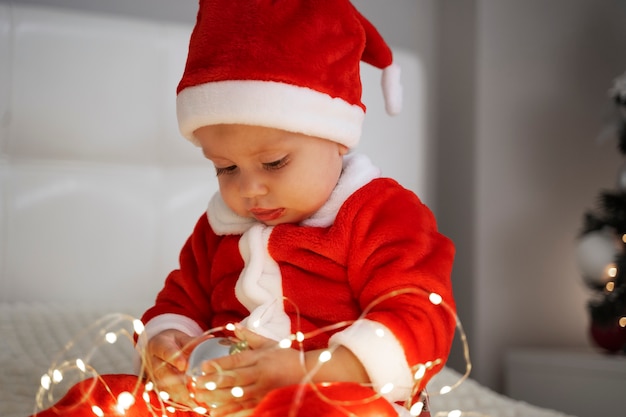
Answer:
[(610, 286), (622, 322), (138, 326), (611, 271), (435, 298), (165, 405), (325, 356), (97, 411), (57, 376), (46, 381), (110, 337), (124, 401), (236, 392), (416, 409), (387, 388)]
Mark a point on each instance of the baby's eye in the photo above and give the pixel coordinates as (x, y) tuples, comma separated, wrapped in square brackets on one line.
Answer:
[(276, 164), (225, 170)]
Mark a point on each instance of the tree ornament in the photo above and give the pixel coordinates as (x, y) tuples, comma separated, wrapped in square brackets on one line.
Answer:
[(597, 252), (609, 336)]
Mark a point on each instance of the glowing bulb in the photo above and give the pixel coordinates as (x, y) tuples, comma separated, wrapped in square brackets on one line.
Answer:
[(149, 386), (200, 410), (387, 388), (325, 356), (164, 395), (124, 401), (211, 386), (624, 238), (284, 344), (237, 392), (138, 326), (97, 411), (80, 365), (416, 409), (445, 389), (611, 271), (46, 381), (146, 397), (622, 322), (435, 298), (230, 327), (610, 286), (421, 371), (110, 337), (57, 376), (455, 413), (170, 409), (299, 336)]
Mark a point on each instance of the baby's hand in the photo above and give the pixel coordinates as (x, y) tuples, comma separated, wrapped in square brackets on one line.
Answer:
[(165, 358), (239, 382)]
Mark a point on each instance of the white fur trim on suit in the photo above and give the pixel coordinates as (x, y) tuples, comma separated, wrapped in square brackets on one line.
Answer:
[(269, 104), (381, 354), (259, 287)]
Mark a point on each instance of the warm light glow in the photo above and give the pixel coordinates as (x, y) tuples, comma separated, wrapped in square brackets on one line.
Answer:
[(611, 271), (299, 336), (445, 389), (57, 376), (211, 386), (325, 356), (455, 413), (421, 371), (610, 286), (110, 337), (149, 386), (237, 392), (97, 411), (417, 408), (387, 388), (200, 410), (164, 395), (46, 382), (138, 326), (622, 322), (124, 401), (230, 327), (435, 298), (284, 344), (80, 365)]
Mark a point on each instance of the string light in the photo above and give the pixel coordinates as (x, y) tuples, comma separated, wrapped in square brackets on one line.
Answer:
[(114, 327)]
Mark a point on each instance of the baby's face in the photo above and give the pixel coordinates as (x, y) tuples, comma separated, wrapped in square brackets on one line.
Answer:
[(269, 174)]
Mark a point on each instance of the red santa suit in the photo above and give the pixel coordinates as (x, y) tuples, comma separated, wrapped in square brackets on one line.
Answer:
[(370, 257)]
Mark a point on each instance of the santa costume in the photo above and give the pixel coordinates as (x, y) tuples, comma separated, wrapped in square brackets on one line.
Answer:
[(371, 257)]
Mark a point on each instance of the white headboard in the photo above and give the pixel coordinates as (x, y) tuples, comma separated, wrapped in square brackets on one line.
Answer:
[(98, 190)]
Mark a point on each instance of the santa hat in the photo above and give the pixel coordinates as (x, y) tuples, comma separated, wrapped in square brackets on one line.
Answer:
[(287, 64)]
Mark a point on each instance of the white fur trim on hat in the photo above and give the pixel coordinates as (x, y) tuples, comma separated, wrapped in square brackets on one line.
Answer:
[(270, 104)]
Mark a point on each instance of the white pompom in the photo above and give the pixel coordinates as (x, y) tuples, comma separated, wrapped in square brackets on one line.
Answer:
[(392, 89)]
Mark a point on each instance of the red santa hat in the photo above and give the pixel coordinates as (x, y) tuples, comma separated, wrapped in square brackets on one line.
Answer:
[(287, 64)]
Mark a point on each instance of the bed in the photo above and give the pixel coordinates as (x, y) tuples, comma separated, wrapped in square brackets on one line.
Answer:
[(98, 192)]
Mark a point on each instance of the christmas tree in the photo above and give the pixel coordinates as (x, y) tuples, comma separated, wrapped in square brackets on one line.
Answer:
[(602, 248)]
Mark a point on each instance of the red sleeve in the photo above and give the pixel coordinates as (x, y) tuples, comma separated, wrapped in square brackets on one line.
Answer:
[(395, 247), (187, 290)]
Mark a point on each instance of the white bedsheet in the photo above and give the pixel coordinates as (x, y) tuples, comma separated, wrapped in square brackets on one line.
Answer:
[(33, 334)]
